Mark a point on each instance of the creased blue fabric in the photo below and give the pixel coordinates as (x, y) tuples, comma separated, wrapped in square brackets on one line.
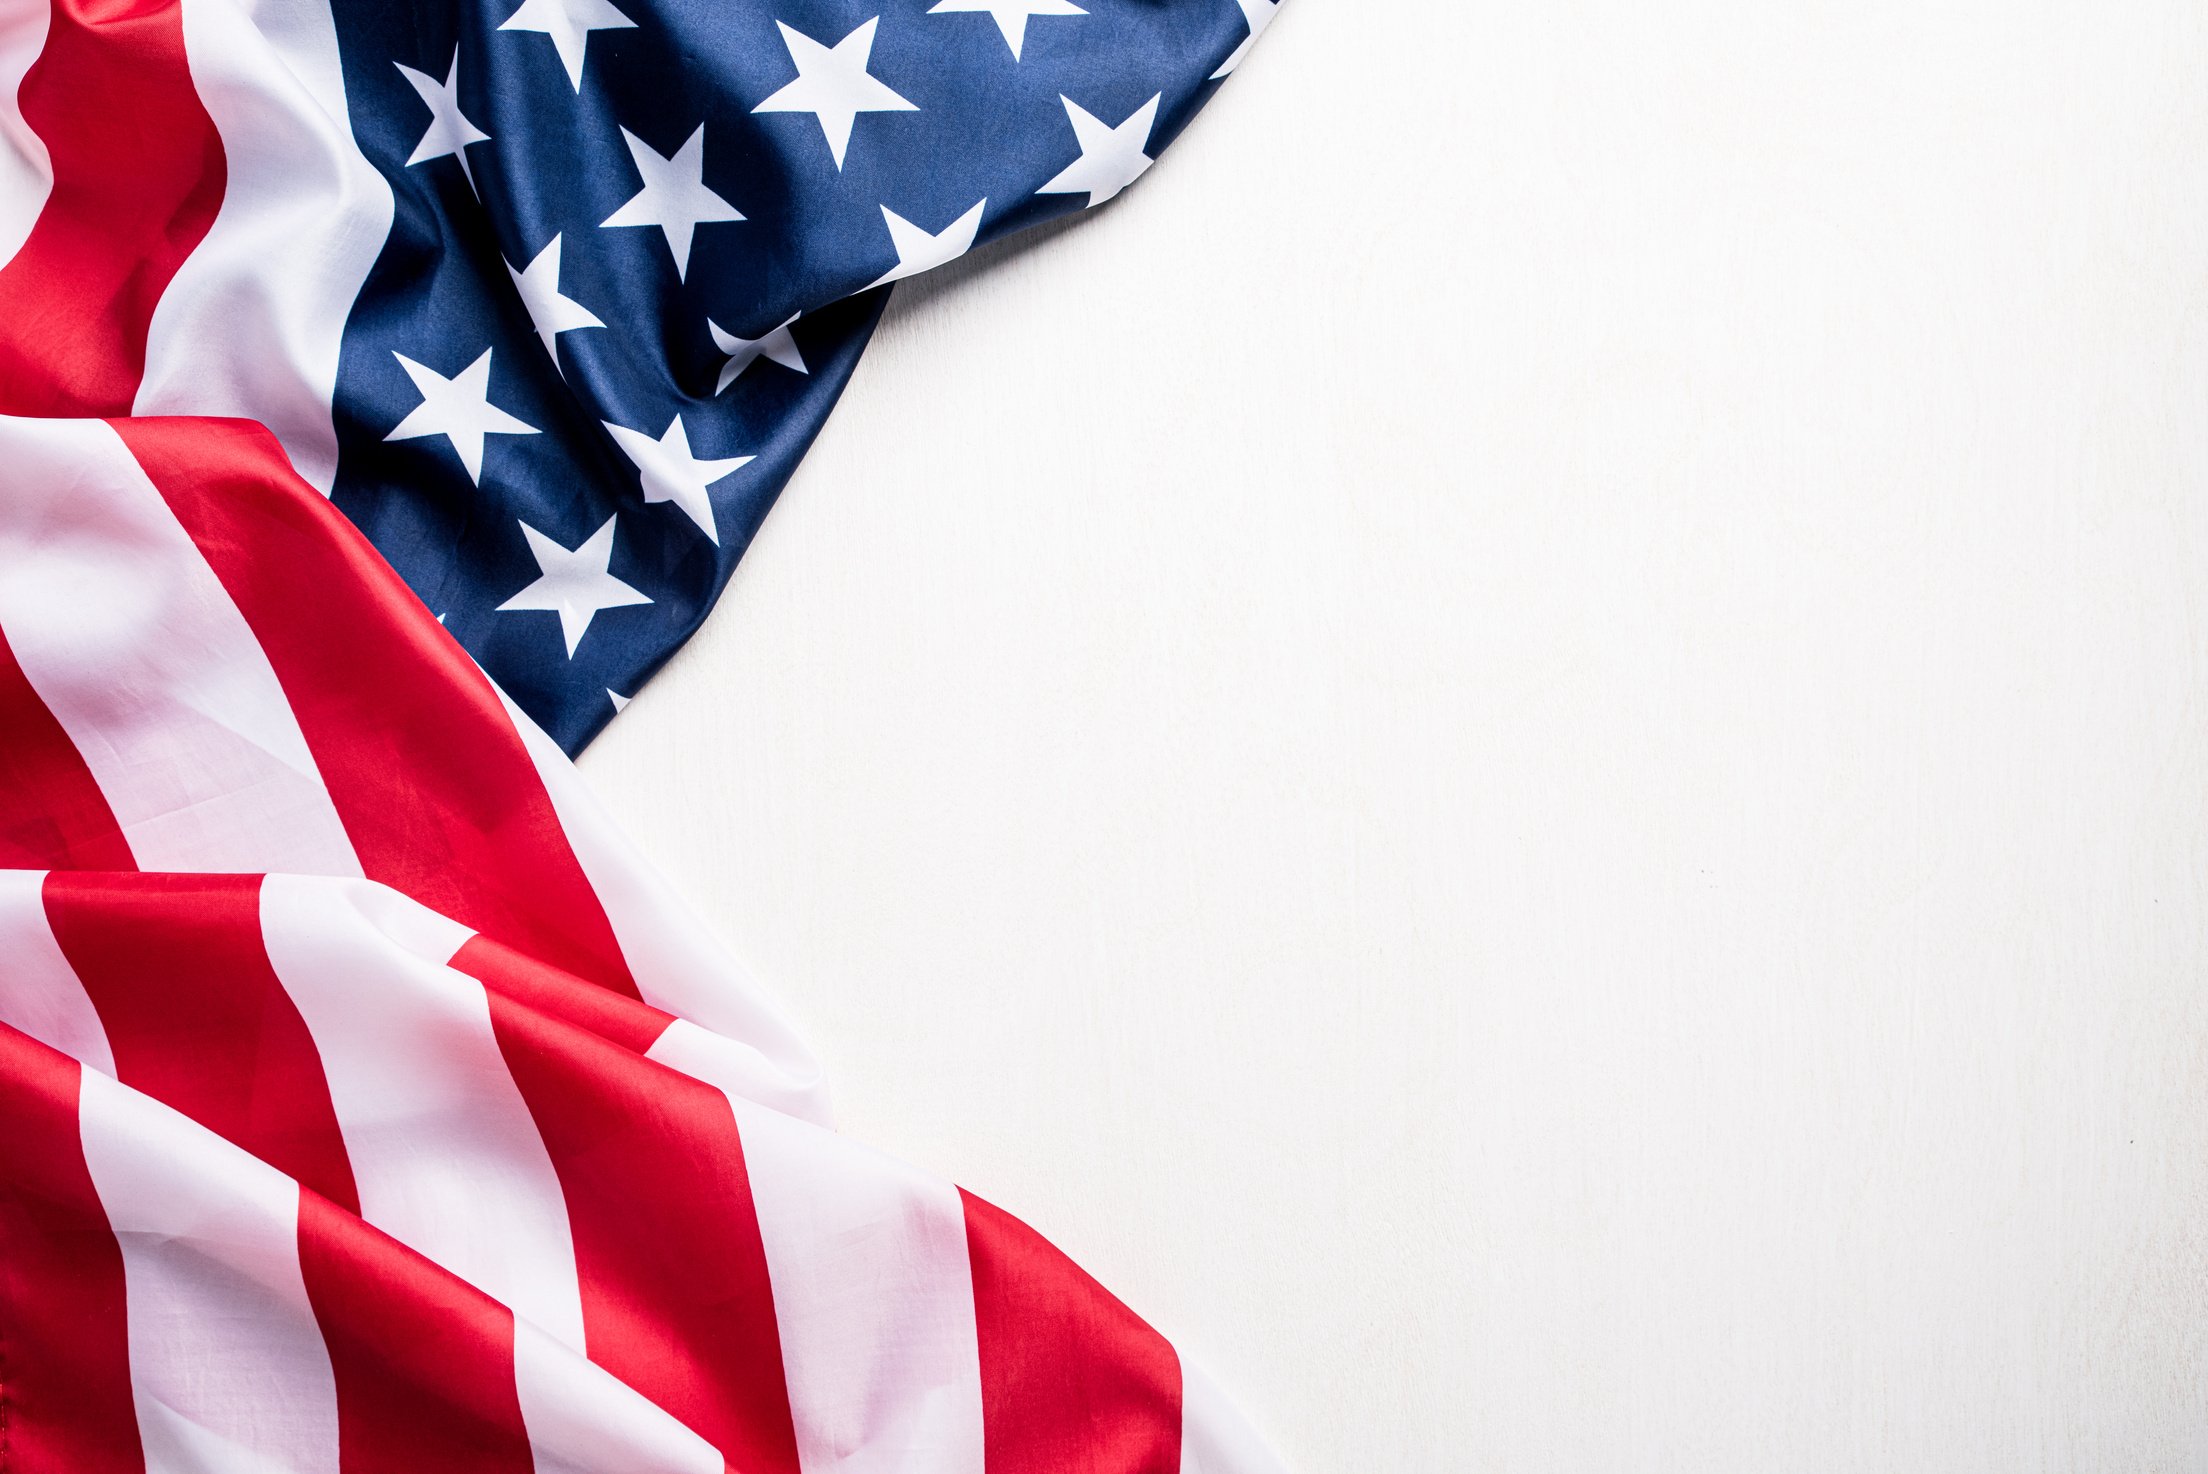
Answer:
[(983, 128)]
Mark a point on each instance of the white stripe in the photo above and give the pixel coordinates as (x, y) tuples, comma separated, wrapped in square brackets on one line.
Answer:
[(126, 635), (39, 991), (583, 1420), (1214, 1437), (873, 1294), (678, 965), (252, 321), (26, 171), (443, 1149), (227, 1366)]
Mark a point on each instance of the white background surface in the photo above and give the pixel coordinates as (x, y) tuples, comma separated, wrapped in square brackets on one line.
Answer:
[(1525, 744)]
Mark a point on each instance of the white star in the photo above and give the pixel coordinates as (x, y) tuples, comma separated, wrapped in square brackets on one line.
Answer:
[(1257, 14), (575, 585), (1010, 15), (458, 408), (449, 132), (620, 702), (674, 196), (832, 84), (1111, 158), (672, 474), (744, 352), (552, 313), (918, 251), (569, 24)]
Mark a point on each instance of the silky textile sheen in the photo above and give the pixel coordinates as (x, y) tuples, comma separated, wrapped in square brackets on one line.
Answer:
[(298, 1172), (552, 297), (385, 390)]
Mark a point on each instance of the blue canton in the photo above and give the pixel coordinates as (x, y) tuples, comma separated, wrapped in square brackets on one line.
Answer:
[(638, 248)]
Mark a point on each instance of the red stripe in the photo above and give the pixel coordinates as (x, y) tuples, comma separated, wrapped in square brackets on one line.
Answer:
[(197, 1019), (65, 1399), (432, 782), (676, 1301), (196, 1016), (1072, 1381), (52, 813), (138, 177), (628, 1022), (424, 1361)]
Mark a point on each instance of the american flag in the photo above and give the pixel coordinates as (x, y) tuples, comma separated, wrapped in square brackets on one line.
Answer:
[(385, 391)]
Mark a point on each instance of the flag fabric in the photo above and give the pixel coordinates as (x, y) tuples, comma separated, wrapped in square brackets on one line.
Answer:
[(549, 297), (366, 1103)]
